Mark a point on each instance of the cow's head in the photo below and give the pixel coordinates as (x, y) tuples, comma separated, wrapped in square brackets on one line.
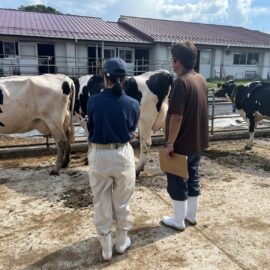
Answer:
[(159, 84), (225, 89), (94, 86), (83, 92)]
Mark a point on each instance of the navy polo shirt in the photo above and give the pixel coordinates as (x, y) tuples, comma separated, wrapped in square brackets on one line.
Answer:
[(111, 119)]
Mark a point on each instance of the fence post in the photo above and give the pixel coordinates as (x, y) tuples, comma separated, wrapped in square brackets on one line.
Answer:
[(213, 111), (47, 142)]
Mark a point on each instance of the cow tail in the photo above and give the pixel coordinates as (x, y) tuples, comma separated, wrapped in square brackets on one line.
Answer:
[(72, 108)]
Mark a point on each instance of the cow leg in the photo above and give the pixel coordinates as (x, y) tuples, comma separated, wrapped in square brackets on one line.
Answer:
[(69, 131), (66, 156), (251, 133), (60, 157), (63, 147), (145, 143)]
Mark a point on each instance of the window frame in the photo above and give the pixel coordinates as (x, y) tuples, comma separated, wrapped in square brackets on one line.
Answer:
[(255, 56), (9, 56), (132, 60)]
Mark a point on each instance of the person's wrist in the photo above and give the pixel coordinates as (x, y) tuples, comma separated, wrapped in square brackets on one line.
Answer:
[(169, 143)]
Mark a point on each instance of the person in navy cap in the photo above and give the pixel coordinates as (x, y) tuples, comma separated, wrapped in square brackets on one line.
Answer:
[(112, 119)]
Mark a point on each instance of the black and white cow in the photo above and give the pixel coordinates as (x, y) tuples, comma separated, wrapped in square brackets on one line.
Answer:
[(252, 101), (41, 102), (151, 89)]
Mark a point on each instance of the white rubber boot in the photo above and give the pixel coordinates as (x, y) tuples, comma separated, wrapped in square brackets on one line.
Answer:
[(192, 207), (178, 220), (123, 241), (106, 244)]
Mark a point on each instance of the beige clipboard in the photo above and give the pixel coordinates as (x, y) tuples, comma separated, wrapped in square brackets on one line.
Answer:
[(176, 164)]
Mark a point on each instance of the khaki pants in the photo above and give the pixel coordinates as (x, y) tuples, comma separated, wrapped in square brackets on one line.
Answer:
[(112, 179)]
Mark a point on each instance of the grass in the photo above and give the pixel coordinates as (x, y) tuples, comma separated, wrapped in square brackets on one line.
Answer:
[(213, 83)]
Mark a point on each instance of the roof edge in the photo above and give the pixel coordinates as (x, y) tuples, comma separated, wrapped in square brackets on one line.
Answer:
[(48, 13), (198, 23), (135, 31)]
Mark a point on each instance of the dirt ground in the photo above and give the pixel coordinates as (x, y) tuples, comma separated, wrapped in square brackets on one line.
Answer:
[(46, 221)]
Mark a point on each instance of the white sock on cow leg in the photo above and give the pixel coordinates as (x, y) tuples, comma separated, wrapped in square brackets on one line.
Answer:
[(250, 141)]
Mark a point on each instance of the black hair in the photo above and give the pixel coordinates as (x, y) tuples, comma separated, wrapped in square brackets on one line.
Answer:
[(186, 52), (117, 88)]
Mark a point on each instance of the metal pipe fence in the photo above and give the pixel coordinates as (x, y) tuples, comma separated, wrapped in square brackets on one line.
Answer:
[(79, 66), (71, 66), (213, 103)]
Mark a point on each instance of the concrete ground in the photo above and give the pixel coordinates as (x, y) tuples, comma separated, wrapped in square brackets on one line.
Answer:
[(46, 221)]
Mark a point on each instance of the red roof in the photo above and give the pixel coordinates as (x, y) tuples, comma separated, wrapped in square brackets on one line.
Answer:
[(171, 31), (22, 23)]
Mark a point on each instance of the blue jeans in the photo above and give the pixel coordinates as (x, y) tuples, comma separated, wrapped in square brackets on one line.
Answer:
[(180, 188), (234, 108)]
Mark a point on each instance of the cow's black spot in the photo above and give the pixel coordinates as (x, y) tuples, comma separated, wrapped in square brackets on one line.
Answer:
[(1, 97), (159, 84), (77, 90), (1, 100), (83, 101), (66, 88), (95, 84), (1, 124), (131, 89)]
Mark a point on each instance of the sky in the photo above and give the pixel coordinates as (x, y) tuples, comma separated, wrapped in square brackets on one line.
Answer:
[(251, 14)]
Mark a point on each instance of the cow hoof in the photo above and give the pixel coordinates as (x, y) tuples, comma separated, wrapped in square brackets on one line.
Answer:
[(54, 172), (248, 147)]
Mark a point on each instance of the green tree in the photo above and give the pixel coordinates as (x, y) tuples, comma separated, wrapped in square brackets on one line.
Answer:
[(39, 8)]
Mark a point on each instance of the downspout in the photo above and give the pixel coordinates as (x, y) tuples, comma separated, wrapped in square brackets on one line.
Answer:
[(222, 62), (76, 71), (102, 53)]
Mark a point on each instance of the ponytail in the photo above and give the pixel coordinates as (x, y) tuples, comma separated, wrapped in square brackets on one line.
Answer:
[(117, 88)]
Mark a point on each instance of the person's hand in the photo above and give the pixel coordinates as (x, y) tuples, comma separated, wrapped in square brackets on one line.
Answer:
[(169, 150), (135, 136)]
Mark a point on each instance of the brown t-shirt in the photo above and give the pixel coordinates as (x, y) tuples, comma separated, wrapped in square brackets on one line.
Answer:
[(188, 98)]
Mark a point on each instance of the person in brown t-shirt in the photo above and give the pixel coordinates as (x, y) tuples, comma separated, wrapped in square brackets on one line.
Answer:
[(186, 133)]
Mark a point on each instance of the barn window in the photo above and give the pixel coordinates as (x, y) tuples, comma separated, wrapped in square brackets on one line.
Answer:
[(9, 49), (126, 55), (1, 50), (205, 57), (246, 59), (109, 53), (253, 59)]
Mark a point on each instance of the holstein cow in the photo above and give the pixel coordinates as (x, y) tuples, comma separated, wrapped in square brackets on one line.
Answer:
[(150, 89), (252, 101), (39, 102)]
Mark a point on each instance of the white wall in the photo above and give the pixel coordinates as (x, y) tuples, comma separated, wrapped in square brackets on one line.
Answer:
[(60, 57), (82, 59), (217, 60), (159, 57), (265, 65), (222, 63), (205, 63)]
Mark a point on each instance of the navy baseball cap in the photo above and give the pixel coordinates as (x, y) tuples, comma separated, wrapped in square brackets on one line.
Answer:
[(116, 67)]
